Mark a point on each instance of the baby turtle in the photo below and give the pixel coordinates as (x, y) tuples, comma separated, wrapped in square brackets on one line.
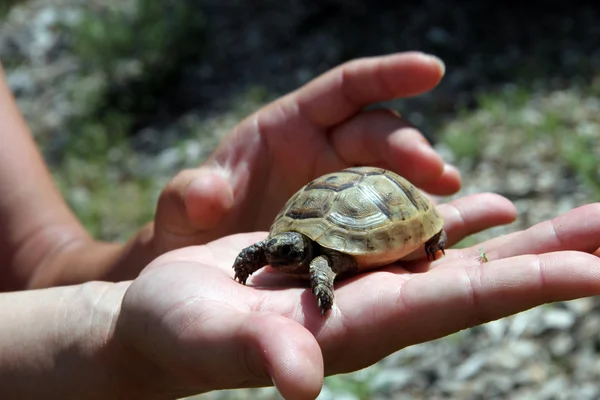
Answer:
[(342, 223)]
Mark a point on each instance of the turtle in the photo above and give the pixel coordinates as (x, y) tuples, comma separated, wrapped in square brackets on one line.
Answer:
[(343, 223)]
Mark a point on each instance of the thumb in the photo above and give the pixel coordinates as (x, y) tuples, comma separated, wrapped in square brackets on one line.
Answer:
[(286, 351), (192, 348), (193, 202), (238, 350)]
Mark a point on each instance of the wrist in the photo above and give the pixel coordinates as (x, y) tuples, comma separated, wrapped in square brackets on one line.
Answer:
[(60, 341), (109, 365), (31, 263), (84, 259), (65, 341)]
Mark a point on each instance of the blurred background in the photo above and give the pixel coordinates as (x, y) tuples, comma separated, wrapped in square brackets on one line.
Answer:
[(120, 95)]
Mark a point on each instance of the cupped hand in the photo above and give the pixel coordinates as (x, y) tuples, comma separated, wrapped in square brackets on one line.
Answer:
[(203, 331), (320, 128)]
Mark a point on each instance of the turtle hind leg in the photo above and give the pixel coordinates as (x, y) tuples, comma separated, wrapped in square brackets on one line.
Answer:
[(250, 260), (437, 242)]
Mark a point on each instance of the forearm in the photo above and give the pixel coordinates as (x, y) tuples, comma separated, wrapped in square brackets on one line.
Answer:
[(42, 243), (31, 208), (61, 343)]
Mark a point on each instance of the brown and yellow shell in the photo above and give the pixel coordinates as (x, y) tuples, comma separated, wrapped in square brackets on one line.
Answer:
[(370, 213)]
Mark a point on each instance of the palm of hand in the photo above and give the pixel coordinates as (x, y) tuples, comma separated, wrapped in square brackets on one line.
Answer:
[(187, 314)]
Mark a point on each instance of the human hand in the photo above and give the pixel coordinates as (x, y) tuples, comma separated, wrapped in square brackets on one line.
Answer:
[(317, 129), (203, 331)]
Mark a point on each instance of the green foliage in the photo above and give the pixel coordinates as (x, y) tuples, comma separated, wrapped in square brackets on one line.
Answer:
[(568, 120), (158, 35), (355, 385), (580, 156), (98, 177), (465, 141), (109, 206), (136, 55), (6, 5), (96, 138), (130, 53)]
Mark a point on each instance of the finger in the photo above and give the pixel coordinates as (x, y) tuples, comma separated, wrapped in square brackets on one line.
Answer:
[(287, 351), (382, 137), (447, 184), (471, 214), (428, 306), (493, 290), (474, 213), (340, 93), (578, 230), (195, 200), (208, 197)]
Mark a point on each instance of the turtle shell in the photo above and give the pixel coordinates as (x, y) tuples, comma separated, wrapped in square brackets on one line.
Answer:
[(370, 213)]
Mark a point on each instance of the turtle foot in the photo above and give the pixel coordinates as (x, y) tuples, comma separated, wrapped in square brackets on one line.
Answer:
[(435, 244), (321, 282), (250, 259)]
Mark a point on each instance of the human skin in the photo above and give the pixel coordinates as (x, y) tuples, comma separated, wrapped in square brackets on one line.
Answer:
[(319, 128), (184, 326)]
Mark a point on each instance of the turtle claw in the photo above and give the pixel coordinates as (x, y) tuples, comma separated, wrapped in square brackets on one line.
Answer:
[(324, 300), (250, 259), (241, 275), (437, 242)]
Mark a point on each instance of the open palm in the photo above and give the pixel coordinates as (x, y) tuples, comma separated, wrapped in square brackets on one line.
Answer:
[(203, 331)]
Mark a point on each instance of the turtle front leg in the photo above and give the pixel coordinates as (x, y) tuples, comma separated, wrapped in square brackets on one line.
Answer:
[(323, 270), (250, 260), (321, 282), (437, 242)]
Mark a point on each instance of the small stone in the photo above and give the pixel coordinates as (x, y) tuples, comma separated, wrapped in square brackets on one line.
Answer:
[(392, 379), (471, 366), (557, 318), (497, 329), (562, 345), (552, 387)]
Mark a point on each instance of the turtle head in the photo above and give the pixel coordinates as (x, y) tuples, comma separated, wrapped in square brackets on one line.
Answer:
[(288, 251)]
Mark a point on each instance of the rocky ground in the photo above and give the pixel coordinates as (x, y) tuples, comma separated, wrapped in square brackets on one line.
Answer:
[(522, 146)]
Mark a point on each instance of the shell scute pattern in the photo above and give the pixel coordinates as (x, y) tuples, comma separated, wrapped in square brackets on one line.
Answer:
[(370, 213), (344, 223)]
